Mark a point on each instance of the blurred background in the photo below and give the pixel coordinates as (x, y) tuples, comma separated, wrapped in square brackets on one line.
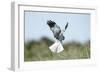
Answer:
[(38, 36)]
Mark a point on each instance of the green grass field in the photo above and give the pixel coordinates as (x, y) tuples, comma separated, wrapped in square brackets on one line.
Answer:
[(39, 50)]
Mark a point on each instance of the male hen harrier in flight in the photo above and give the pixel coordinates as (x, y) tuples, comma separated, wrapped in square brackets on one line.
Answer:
[(58, 33)]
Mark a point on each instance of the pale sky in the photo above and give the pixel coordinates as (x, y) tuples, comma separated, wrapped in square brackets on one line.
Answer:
[(36, 25)]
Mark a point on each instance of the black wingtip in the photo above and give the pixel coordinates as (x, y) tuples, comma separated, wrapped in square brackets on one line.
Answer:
[(51, 23), (66, 26)]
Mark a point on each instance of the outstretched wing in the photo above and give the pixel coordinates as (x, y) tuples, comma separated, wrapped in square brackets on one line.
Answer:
[(51, 24), (66, 26), (54, 28), (61, 36)]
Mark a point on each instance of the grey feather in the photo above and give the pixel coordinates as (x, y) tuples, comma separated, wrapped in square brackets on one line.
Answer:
[(66, 26)]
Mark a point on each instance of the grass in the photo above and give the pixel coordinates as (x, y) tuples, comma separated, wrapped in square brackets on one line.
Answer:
[(39, 50)]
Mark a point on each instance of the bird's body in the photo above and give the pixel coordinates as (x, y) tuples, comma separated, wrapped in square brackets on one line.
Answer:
[(56, 31)]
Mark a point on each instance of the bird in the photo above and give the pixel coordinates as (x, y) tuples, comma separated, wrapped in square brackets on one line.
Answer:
[(57, 32)]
